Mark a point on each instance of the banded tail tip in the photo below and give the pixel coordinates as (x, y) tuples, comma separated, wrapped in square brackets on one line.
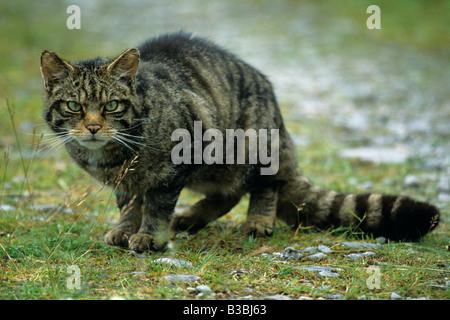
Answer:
[(412, 220)]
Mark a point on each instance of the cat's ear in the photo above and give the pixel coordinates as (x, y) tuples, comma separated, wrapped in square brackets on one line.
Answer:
[(125, 66), (53, 68)]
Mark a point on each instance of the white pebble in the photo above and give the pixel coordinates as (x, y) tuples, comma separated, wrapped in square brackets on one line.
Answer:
[(361, 255), (323, 248), (174, 262), (317, 256), (203, 289), (395, 296)]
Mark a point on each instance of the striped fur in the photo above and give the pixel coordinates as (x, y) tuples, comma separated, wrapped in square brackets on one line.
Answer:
[(394, 217), (116, 116)]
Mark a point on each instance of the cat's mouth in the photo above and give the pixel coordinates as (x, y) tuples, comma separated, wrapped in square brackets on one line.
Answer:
[(92, 142)]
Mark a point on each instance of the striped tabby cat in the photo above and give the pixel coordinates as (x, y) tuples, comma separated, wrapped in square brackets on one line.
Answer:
[(116, 118)]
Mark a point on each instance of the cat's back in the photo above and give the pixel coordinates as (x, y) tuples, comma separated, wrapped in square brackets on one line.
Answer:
[(216, 86), (177, 47)]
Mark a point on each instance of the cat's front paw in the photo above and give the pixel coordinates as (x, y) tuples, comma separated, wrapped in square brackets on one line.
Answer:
[(117, 237), (145, 242), (258, 226)]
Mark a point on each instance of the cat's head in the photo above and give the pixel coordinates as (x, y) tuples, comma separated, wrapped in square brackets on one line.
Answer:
[(91, 102)]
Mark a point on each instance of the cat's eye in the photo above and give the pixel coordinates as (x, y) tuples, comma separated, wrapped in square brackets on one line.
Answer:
[(112, 106), (73, 106)]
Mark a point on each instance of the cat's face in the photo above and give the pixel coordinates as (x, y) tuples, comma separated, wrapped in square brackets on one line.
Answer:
[(90, 102)]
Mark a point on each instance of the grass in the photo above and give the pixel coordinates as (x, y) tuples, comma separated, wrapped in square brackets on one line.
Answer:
[(38, 245), (54, 216), (36, 257)]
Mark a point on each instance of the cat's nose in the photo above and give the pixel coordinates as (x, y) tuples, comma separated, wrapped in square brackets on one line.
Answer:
[(93, 127)]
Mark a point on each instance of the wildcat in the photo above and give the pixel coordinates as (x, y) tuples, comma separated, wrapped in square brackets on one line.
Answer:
[(116, 118)]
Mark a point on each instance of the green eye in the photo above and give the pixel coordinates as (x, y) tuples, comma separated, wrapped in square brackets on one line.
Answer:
[(73, 106), (112, 106)]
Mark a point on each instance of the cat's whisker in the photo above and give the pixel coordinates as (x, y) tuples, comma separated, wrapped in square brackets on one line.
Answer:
[(130, 128), (130, 135), (120, 141), (61, 137), (54, 144), (126, 138), (58, 140)]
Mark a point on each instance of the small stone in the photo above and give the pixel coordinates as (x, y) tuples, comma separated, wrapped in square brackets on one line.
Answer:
[(203, 289), (276, 254), (309, 250), (336, 296), (361, 255), (239, 273), (361, 245), (277, 297), (290, 253), (354, 245), (380, 240), (137, 272), (395, 296), (444, 184), (182, 278), (444, 197), (323, 248), (377, 155), (411, 181), (6, 207), (316, 256), (328, 274), (266, 256), (438, 287), (367, 185), (318, 268), (174, 262)]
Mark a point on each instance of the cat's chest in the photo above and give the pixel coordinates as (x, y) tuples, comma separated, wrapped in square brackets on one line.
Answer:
[(96, 158), (104, 166), (101, 166), (124, 171)]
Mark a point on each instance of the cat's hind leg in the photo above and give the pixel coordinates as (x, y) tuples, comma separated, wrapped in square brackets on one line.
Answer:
[(203, 212), (261, 212)]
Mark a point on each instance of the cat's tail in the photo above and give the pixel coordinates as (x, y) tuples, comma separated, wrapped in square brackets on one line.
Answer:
[(393, 217)]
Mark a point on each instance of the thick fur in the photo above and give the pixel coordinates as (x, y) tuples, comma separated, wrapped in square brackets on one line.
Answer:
[(166, 84)]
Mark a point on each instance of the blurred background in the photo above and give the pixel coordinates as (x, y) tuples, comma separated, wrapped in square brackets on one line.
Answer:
[(337, 81)]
